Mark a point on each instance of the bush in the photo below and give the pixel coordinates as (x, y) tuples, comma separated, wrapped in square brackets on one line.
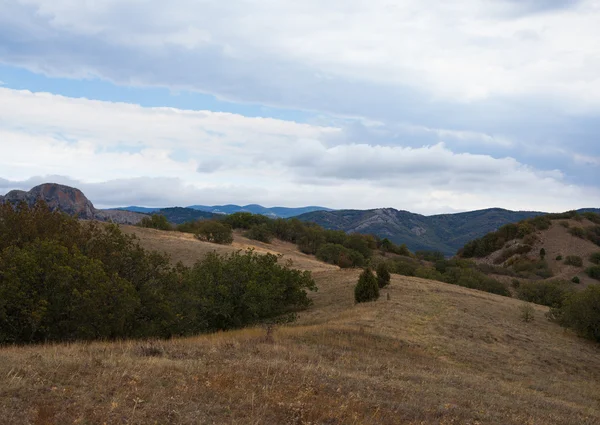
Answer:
[(581, 312), (383, 275), (542, 253), (565, 224), (259, 232), (595, 258), (577, 232), (527, 313), (214, 231), (574, 260), (576, 279), (559, 258), (156, 221), (340, 256), (367, 288), (516, 283), (551, 294), (593, 272), (432, 256), (245, 220)]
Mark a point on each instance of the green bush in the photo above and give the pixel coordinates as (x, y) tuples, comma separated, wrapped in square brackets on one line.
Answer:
[(214, 231), (581, 312), (366, 288), (577, 232), (383, 275), (340, 256), (551, 294), (576, 279), (595, 258), (259, 232), (244, 220), (432, 256), (574, 260), (542, 253), (156, 221), (559, 258), (593, 272)]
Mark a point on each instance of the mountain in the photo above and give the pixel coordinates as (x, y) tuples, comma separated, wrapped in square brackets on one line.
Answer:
[(446, 232), (274, 212), (180, 215), (142, 210), (71, 201)]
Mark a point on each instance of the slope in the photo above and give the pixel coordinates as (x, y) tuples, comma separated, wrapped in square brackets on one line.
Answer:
[(430, 354)]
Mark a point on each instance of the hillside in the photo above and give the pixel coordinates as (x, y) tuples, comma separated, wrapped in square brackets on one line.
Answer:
[(430, 354), (274, 212), (568, 245), (446, 233)]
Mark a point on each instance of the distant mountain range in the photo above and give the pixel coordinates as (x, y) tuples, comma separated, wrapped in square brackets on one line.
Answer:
[(446, 232), (274, 212)]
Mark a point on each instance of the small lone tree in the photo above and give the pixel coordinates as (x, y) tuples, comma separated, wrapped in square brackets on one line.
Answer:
[(367, 288), (542, 253), (383, 275)]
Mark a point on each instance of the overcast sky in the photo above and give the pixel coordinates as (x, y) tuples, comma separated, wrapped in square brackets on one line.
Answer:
[(420, 105)]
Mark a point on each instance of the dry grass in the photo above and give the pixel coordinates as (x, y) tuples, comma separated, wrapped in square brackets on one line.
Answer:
[(431, 354)]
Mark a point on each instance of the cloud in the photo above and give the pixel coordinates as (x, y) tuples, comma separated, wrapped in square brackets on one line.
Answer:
[(127, 154)]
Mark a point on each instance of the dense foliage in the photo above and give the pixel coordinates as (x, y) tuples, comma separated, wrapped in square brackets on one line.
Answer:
[(213, 231), (61, 279), (366, 288), (156, 221), (580, 311), (383, 275), (549, 293)]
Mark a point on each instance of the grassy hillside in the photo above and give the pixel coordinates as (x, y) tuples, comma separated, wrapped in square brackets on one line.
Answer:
[(430, 353), (446, 233)]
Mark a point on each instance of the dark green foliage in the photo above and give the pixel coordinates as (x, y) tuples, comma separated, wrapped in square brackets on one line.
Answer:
[(593, 272), (509, 252), (259, 232), (311, 239), (361, 243), (595, 258), (531, 269), (593, 217), (559, 258), (574, 260), (576, 279), (367, 288), (551, 294), (156, 221), (214, 231), (581, 312), (61, 279), (340, 255), (383, 275), (432, 256), (245, 220), (593, 234), (402, 265), (542, 253), (388, 246), (469, 277)]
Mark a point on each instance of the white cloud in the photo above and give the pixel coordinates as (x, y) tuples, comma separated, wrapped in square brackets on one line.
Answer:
[(126, 154), (463, 50)]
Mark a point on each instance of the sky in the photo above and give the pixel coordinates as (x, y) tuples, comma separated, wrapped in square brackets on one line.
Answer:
[(420, 105)]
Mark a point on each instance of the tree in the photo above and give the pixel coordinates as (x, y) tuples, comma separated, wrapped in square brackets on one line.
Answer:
[(366, 288), (383, 275), (542, 253), (214, 231), (259, 232), (156, 221)]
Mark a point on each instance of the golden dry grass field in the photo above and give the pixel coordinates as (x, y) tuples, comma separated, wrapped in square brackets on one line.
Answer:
[(430, 353)]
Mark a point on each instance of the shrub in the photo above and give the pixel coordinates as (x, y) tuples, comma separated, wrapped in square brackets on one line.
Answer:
[(574, 260), (244, 220), (516, 283), (542, 253), (432, 256), (565, 224), (259, 232), (559, 258), (595, 258), (156, 221), (552, 294), (593, 272), (383, 275), (367, 288), (577, 232), (581, 312), (591, 216), (527, 313), (340, 256), (576, 279), (214, 231)]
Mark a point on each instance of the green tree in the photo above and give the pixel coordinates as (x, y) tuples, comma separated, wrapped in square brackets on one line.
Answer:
[(581, 312), (383, 275), (156, 221), (542, 253), (214, 231), (259, 232), (366, 288)]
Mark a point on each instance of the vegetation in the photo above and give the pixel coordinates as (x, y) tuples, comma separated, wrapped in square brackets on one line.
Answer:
[(61, 279), (595, 258), (576, 279), (574, 260), (581, 312), (366, 288), (542, 253), (259, 232), (527, 313), (549, 293), (593, 272), (213, 231), (383, 275), (156, 221), (340, 255)]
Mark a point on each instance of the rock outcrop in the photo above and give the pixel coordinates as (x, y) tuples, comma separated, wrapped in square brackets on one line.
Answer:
[(71, 201)]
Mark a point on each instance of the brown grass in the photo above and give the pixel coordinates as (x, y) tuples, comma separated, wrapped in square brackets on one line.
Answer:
[(431, 354)]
